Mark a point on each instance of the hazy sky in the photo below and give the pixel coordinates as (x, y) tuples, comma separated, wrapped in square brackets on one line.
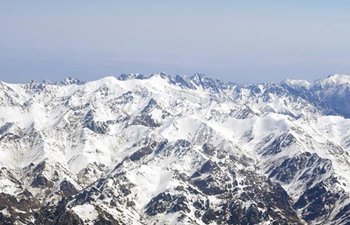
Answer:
[(239, 41)]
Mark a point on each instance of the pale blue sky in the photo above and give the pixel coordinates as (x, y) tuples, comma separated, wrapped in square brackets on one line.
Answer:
[(238, 41)]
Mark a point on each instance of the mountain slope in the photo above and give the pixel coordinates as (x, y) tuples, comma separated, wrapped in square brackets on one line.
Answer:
[(175, 150)]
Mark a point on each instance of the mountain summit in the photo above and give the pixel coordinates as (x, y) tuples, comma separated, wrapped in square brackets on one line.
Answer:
[(175, 150)]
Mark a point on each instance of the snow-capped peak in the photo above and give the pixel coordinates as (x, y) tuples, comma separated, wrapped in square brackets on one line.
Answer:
[(334, 80), (70, 81), (174, 150), (297, 83), (131, 76)]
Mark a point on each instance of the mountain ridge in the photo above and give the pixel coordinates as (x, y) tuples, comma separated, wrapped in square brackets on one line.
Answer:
[(175, 150)]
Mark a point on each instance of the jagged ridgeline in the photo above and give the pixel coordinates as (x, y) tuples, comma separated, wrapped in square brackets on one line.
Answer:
[(175, 150)]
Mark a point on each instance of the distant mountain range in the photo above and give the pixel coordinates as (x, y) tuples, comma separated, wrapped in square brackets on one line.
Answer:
[(171, 150)]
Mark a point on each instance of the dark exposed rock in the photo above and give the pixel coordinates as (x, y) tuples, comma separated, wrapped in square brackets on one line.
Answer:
[(159, 204), (84, 197), (5, 127), (277, 145), (131, 76), (166, 203), (19, 208), (317, 202), (209, 150), (67, 189), (41, 181), (57, 215), (209, 216), (145, 118), (70, 81), (105, 218), (344, 214), (95, 126), (141, 153), (161, 146), (39, 168), (311, 166)]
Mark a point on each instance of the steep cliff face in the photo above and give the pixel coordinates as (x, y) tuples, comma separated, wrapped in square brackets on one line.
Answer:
[(175, 150)]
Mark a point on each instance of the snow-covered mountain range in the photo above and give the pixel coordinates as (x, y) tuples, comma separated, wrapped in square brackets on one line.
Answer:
[(175, 150)]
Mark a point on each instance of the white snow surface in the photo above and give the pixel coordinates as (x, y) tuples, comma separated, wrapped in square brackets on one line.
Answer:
[(51, 124), (86, 212)]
